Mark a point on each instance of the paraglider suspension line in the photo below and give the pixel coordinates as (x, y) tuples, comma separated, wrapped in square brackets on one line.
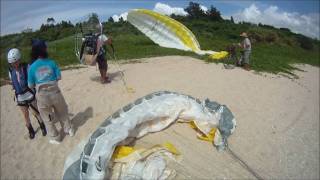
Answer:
[(243, 163), (129, 89), (35, 111)]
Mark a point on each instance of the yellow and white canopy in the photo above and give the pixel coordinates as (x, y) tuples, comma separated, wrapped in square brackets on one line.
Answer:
[(166, 31), (163, 30)]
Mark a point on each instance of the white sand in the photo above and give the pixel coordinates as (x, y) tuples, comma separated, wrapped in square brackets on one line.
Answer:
[(278, 119)]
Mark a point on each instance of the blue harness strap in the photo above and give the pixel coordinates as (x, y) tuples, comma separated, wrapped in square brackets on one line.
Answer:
[(20, 86)]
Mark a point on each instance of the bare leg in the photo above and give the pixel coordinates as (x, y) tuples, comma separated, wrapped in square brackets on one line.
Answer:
[(106, 70), (103, 67), (25, 112), (103, 74), (36, 114), (104, 77)]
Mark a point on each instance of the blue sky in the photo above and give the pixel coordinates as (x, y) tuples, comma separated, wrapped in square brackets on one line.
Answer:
[(300, 16)]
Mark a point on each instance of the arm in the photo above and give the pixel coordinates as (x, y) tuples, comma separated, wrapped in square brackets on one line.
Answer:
[(57, 71), (31, 79), (243, 45), (108, 42), (103, 40)]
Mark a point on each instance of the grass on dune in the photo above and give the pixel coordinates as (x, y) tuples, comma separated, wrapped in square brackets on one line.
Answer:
[(276, 56)]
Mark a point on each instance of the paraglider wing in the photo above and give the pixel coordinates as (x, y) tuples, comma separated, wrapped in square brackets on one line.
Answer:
[(151, 113), (168, 32), (163, 30)]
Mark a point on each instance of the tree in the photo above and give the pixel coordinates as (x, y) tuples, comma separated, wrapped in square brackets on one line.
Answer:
[(65, 24), (214, 14), (43, 27), (93, 18), (27, 30), (285, 29), (121, 19), (110, 19), (232, 21), (50, 20), (305, 42), (178, 17), (194, 10)]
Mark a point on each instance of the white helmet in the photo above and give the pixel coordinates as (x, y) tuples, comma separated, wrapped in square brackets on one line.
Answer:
[(14, 55)]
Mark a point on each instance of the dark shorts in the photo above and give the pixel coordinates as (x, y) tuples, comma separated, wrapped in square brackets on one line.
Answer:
[(102, 62), (24, 103), (27, 102)]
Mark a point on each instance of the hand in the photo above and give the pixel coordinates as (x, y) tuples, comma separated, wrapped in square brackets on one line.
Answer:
[(109, 41)]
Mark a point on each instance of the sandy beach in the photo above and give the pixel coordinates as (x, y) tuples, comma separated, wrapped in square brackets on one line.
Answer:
[(277, 118)]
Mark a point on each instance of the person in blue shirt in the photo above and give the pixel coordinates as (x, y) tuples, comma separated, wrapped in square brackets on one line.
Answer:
[(24, 96), (44, 75)]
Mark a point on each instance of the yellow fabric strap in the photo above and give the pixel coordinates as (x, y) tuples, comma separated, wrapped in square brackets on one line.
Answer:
[(124, 151), (205, 137), (171, 148), (219, 55)]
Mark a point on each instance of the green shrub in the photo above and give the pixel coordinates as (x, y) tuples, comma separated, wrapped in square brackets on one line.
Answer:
[(305, 42), (271, 37), (288, 41), (257, 37)]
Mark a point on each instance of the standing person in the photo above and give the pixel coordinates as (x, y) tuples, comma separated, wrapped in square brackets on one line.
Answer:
[(101, 57), (246, 51), (44, 74), (25, 97)]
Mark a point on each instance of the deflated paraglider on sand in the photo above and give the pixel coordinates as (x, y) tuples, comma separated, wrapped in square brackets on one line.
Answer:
[(168, 32), (149, 114)]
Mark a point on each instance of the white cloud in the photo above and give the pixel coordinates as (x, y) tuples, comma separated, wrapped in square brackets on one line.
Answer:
[(307, 24), (34, 13), (123, 15), (168, 10), (204, 8)]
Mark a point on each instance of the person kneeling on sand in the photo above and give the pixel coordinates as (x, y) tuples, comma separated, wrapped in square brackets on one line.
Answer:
[(246, 51), (44, 74), (18, 74)]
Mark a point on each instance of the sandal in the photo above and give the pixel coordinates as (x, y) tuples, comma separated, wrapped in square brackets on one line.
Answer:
[(107, 80), (31, 132)]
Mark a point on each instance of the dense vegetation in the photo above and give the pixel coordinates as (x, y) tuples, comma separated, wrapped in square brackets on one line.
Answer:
[(274, 50)]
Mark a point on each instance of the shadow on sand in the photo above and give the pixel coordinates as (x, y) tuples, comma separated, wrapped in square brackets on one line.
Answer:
[(112, 77), (79, 120)]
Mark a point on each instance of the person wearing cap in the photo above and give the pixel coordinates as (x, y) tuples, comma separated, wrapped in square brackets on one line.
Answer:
[(44, 75), (25, 97), (246, 51)]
